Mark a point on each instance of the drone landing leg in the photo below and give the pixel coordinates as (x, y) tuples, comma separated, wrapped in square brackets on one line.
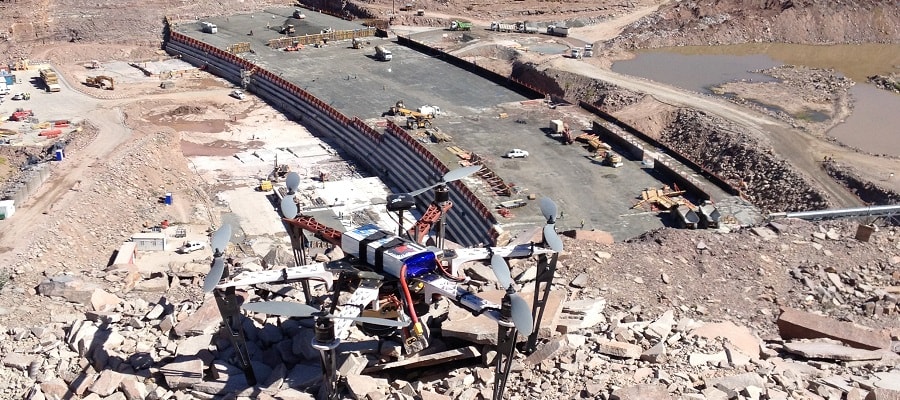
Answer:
[(546, 268), (325, 341), (228, 307), (506, 345)]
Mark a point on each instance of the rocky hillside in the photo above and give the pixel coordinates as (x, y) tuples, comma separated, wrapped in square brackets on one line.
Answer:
[(741, 21)]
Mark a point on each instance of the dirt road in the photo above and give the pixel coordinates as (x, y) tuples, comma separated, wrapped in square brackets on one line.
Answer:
[(800, 149)]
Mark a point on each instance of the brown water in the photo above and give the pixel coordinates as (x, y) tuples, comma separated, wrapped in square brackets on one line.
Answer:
[(873, 126), (855, 61)]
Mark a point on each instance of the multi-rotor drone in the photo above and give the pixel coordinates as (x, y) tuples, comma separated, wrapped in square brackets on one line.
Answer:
[(392, 276)]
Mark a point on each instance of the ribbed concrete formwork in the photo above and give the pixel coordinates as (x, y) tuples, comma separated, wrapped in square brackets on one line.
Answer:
[(394, 155)]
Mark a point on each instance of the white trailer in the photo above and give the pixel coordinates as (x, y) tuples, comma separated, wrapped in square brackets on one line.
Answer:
[(383, 54), (557, 30), (502, 27), (209, 27)]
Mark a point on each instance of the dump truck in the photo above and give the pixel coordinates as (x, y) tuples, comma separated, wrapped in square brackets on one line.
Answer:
[(209, 27), (502, 27), (522, 27), (383, 54), (557, 30), (48, 76), (460, 26)]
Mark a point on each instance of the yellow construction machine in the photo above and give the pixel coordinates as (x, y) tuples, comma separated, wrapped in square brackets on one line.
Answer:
[(101, 81), (418, 120)]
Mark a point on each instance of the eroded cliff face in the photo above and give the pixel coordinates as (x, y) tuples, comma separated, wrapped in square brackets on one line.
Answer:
[(743, 21)]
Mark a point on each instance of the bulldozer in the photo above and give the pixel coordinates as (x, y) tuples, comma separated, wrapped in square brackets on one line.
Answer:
[(101, 81)]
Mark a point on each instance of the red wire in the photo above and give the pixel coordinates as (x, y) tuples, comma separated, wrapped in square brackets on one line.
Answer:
[(412, 310)]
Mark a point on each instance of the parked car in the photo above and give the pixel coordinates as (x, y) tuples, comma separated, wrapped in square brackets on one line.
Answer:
[(517, 153), (191, 246), (238, 94)]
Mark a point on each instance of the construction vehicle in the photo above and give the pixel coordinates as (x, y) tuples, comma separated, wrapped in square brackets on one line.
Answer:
[(610, 158), (557, 30), (48, 76), (298, 14), (418, 121), (589, 50), (561, 130), (287, 29), (101, 81), (265, 185), (502, 27), (358, 43), (522, 27), (420, 12), (399, 109), (383, 54), (432, 111), (93, 64), (20, 115), (209, 27), (457, 25), (406, 7)]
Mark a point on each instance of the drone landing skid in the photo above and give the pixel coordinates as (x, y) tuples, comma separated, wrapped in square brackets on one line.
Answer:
[(312, 271)]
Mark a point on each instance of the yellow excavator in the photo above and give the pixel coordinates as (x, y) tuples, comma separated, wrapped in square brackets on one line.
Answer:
[(101, 81)]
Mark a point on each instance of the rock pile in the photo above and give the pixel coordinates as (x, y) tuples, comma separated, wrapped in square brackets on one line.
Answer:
[(771, 183), (635, 330)]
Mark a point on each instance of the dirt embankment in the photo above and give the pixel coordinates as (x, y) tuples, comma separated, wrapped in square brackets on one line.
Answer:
[(870, 192), (575, 88), (748, 21)]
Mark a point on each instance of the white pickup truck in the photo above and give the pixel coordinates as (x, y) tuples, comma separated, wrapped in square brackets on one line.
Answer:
[(191, 246)]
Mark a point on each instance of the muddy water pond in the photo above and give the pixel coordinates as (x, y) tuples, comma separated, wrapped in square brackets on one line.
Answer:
[(873, 126)]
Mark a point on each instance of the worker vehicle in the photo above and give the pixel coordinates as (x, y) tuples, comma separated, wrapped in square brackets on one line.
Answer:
[(460, 25), (191, 246), (589, 50), (557, 30), (406, 7), (22, 96), (298, 14), (576, 53), (238, 94), (209, 27), (502, 27), (383, 54), (517, 153), (420, 12), (418, 121)]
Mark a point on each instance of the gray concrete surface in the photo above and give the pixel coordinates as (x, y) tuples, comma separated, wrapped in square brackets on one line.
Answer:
[(353, 82)]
